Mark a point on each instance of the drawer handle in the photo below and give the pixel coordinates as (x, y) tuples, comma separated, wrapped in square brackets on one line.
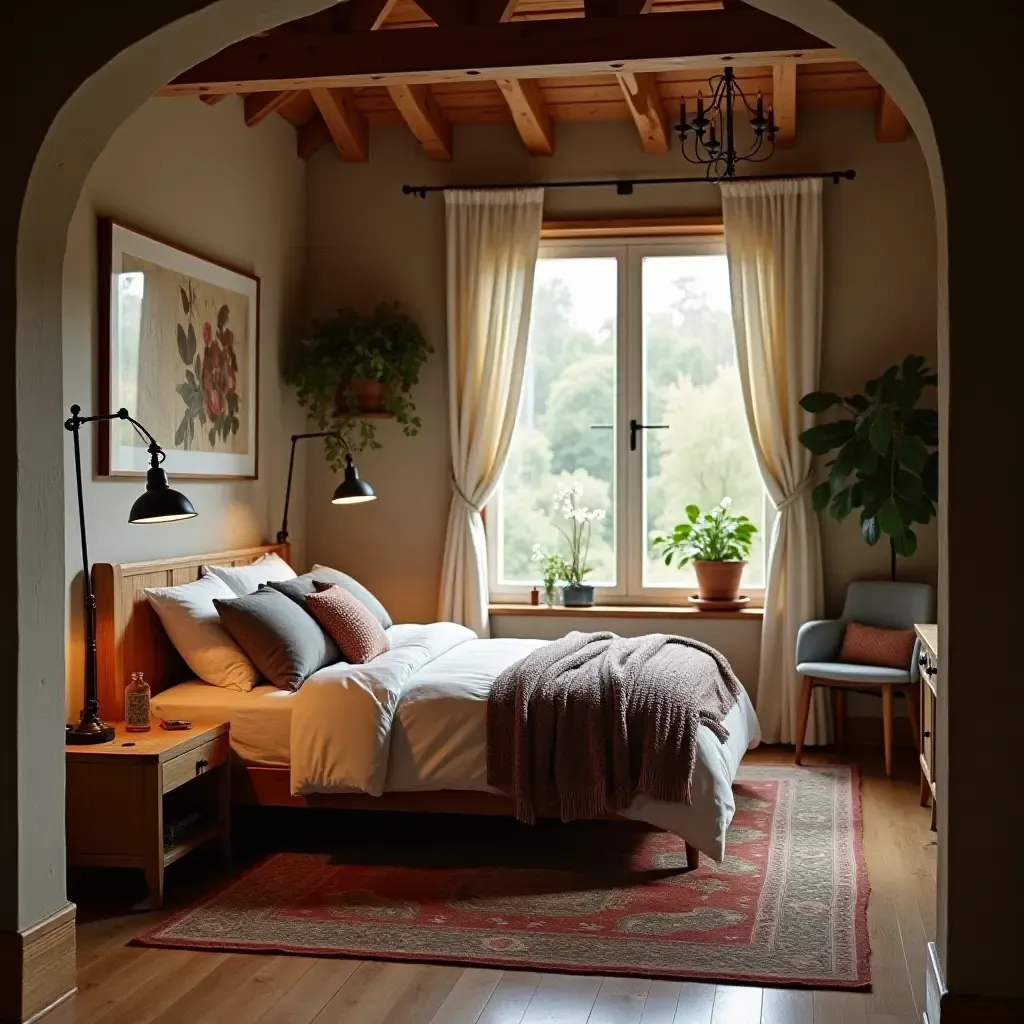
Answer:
[(922, 660), (927, 733), (930, 670), (201, 764)]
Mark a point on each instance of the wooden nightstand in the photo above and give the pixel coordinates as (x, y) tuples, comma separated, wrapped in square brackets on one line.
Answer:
[(121, 795)]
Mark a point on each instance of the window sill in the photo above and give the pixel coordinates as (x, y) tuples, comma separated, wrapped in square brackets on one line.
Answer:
[(625, 611)]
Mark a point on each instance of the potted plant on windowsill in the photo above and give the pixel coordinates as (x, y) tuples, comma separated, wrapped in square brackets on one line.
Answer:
[(571, 571), (352, 368), (718, 544)]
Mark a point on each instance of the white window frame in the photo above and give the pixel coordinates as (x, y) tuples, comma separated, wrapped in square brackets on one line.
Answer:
[(630, 512)]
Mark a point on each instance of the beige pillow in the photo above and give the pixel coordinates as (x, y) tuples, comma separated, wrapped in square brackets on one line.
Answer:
[(247, 579), (190, 619)]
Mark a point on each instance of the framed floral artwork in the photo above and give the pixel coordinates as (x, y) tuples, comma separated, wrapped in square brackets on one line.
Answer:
[(179, 349)]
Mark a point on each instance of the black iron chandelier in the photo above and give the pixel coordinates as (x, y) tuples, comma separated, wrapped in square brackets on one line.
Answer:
[(710, 133)]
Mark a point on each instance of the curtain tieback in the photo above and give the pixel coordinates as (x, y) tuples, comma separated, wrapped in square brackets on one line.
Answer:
[(469, 504), (794, 495)]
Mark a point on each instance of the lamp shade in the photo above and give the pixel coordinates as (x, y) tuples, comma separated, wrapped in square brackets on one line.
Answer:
[(352, 490), (160, 503)]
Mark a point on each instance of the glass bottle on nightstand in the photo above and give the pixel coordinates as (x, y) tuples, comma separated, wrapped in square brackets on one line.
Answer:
[(136, 704)]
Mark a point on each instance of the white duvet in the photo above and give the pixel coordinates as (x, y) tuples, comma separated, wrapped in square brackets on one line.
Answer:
[(415, 719)]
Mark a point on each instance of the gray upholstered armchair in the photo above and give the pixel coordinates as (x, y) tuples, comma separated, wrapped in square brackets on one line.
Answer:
[(876, 603)]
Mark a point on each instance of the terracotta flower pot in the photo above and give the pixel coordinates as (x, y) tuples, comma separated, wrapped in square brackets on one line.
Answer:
[(369, 396), (718, 581)]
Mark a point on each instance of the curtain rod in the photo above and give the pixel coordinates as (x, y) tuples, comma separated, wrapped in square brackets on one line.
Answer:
[(625, 186)]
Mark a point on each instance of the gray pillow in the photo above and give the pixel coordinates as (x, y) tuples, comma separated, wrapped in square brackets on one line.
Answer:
[(301, 587), (284, 642)]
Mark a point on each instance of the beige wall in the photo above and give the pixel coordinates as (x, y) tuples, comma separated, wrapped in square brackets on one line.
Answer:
[(368, 242), (196, 176)]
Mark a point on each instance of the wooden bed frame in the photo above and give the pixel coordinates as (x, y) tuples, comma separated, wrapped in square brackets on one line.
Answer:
[(130, 638)]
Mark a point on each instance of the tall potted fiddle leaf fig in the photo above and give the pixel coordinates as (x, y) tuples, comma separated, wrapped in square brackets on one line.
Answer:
[(886, 455)]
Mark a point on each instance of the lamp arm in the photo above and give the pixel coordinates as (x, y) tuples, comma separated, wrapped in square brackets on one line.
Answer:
[(282, 534)]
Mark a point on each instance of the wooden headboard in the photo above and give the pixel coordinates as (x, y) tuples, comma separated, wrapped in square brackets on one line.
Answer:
[(129, 636)]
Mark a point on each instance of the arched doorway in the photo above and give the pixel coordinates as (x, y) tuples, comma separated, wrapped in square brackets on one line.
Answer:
[(67, 111)]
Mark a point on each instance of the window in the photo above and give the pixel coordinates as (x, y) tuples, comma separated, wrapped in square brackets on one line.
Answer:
[(625, 332)]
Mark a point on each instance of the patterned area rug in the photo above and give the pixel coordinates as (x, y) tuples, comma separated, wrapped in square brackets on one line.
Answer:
[(786, 906)]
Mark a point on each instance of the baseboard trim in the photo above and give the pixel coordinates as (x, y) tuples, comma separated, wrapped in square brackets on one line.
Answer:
[(41, 962), (944, 1007)]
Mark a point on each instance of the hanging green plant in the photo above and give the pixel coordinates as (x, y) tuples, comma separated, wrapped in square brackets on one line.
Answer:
[(887, 462), (353, 368)]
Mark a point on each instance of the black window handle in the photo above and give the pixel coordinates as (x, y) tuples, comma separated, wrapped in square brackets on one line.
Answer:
[(634, 428)]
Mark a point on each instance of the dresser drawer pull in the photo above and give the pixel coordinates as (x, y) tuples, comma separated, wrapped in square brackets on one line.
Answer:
[(930, 670), (201, 764), (922, 660), (927, 733)]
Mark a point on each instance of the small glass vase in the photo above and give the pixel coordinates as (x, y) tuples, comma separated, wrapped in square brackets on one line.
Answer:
[(549, 597)]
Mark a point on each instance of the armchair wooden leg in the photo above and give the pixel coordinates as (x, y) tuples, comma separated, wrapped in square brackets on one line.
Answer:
[(912, 696), (839, 712), (805, 711), (887, 725), (692, 858)]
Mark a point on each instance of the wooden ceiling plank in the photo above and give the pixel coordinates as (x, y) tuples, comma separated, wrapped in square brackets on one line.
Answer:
[(345, 122), (892, 125), (312, 136), (260, 105), (361, 15), (421, 113), (784, 102), (530, 113), (512, 50), (460, 13), (647, 110)]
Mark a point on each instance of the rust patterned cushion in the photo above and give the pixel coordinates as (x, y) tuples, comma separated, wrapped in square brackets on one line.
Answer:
[(352, 626), (872, 645)]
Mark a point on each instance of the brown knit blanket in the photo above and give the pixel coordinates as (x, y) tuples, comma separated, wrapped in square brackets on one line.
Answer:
[(581, 726)]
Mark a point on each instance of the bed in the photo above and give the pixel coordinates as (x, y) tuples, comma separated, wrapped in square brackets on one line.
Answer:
[(434, 755)]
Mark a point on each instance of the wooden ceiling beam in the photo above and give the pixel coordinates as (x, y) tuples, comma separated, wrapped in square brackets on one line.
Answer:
[(260, 105), (892, 125), (784, 102), (530, 114), (213, 99), (518, 49), (421, 113), (647, 110), (345, 123)]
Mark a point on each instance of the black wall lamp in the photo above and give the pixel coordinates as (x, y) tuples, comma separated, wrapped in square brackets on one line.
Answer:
[(159, 504), (351, 491)]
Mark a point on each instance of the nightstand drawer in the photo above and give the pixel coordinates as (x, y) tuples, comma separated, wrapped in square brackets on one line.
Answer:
[(193, 763)]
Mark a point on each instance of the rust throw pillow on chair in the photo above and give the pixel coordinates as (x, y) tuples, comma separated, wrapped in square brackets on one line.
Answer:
[(350, 624), (873, 645)]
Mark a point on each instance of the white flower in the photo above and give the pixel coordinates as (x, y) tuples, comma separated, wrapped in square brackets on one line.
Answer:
[(538, 553), (726, 502)]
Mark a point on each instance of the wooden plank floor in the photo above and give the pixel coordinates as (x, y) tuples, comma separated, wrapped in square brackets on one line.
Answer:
[(119, 984)]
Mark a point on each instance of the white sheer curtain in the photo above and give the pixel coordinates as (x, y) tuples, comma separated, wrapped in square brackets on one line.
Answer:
[(773, 237), (492, 239)]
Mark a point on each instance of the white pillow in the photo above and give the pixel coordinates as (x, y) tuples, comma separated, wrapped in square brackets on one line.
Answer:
[(246, 579), (191, 621)]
